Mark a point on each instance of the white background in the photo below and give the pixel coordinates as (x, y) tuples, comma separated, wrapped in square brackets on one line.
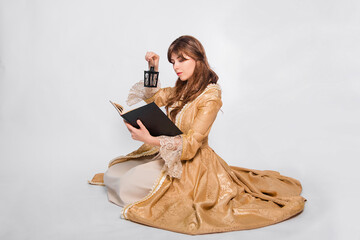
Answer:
[(289, 71)]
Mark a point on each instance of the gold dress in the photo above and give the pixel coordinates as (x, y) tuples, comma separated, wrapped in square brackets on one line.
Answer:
[(191, 189)]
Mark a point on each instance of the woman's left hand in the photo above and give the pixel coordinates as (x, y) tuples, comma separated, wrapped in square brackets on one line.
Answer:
[(141, 134)]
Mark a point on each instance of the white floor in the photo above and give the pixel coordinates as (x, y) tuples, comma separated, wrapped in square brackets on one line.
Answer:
[(54, 201)]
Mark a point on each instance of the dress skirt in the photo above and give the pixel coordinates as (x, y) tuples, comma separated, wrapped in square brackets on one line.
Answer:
[(184, 186), (130, 181)]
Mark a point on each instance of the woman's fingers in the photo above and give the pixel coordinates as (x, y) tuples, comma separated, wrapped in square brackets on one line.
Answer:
[(128, 125), (148, 56), (138, 134), (153, 60), (131, 130), (141, 125), (151, 55)]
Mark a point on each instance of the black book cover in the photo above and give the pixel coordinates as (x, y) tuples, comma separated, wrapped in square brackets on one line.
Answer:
[(155, 120)]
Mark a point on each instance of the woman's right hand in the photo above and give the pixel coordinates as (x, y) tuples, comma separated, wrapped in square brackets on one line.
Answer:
[(153, 60)]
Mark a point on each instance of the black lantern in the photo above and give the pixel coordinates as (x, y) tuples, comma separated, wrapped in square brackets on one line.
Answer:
[(151, 78)]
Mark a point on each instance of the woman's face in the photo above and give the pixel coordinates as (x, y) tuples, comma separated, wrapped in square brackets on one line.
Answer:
[(183, 67)]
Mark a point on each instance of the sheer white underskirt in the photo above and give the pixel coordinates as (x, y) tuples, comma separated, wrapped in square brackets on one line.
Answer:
[(130, 181)]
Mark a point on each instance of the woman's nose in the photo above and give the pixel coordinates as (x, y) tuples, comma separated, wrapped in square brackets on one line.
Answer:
[(176, 66)]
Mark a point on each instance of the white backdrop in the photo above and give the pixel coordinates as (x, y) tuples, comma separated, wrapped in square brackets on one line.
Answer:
[(289, 71)]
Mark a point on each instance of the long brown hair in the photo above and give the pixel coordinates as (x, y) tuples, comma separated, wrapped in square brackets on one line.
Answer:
[(202, 76)]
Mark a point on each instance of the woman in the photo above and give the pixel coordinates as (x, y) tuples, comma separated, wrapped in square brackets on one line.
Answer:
[(179, 183)]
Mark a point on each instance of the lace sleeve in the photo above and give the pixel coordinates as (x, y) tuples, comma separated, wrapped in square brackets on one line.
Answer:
[(138, 92), (170, 151)]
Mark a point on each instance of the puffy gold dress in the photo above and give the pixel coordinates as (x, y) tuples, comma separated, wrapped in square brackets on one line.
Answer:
[(196, 191)]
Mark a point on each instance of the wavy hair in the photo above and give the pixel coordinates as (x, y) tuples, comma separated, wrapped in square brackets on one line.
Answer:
[(188, 90)]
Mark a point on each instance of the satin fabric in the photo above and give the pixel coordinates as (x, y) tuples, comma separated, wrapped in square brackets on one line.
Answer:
[(132, 180), (210, 196)]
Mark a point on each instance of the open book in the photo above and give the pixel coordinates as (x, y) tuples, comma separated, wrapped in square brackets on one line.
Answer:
[(155, 120)]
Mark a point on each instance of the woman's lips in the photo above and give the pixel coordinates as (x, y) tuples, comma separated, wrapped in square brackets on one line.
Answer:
[(179, 73)]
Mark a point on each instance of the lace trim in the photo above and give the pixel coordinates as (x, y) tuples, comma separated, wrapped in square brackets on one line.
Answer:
[(157, 185), (138, 92), (170, 151)]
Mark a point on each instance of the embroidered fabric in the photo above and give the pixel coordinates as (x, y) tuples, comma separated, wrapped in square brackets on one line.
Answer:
[(170, 151), (138, 92)]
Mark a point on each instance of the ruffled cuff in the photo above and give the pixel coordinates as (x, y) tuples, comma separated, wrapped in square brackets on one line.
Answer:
[(138, 92), (170, 151)]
